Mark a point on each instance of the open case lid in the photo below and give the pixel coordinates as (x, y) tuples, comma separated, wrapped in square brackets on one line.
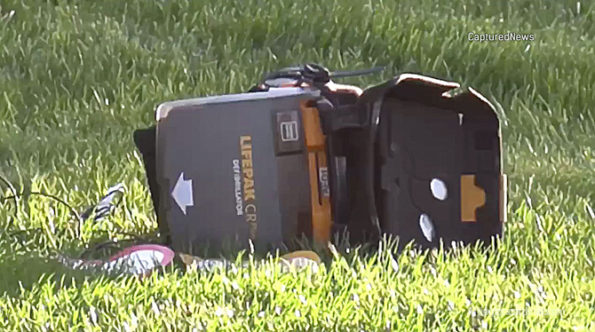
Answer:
[(418, 131)]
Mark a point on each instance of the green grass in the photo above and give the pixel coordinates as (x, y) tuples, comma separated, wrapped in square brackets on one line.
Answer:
[(77, 77)]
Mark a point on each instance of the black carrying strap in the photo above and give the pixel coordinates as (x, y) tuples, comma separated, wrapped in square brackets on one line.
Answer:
[(351, 132), (145, 141)]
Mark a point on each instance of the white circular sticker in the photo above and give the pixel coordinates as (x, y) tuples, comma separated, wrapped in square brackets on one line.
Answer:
[(438, 188)]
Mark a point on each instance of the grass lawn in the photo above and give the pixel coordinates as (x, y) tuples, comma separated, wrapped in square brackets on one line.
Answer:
[(77, 77)]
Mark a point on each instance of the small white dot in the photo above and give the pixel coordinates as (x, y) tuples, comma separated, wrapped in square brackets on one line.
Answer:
[(427, 228), (438, 188)]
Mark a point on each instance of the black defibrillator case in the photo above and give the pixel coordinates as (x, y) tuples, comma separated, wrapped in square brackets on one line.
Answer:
[(405, 158)]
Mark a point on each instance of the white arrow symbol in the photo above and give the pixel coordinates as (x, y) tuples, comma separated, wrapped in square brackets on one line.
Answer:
[(182, 193)]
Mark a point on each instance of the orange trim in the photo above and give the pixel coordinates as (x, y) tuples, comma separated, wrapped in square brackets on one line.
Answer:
[(315, 140), (334, 87), (316, 146), (503, 198), (472, 197)]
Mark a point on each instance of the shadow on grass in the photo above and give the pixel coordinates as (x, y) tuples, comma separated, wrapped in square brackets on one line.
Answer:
[(22, 269), (22, 272)]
